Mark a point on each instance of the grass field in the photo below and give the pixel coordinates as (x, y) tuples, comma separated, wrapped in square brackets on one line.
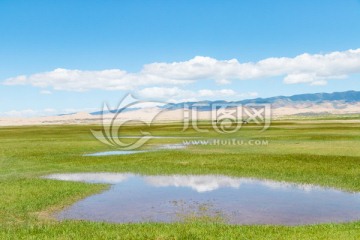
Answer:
[(317, 152)]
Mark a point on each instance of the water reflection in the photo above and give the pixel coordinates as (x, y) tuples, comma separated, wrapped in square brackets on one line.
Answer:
[(136, 198)]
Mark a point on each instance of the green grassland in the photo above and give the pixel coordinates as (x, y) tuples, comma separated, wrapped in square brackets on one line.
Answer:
[(322, 152)]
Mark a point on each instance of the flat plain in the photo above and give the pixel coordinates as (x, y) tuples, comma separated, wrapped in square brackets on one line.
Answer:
[(320, 152)]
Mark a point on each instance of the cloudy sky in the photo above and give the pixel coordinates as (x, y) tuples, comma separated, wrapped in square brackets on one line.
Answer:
[(67, 56)]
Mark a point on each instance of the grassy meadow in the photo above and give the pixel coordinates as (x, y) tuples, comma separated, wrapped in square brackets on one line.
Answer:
[(322, 152)]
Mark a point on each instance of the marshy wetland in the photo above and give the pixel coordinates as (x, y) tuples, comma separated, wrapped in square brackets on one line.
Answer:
[(311, 153)]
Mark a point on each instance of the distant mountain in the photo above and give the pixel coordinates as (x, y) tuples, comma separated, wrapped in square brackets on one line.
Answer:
[(349, 96), (314, 103), (315, 98)]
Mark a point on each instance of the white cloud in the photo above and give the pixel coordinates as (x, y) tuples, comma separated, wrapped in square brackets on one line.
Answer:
[(216, 93), (46, 92), (305, 68), (175, 94), (313, 69), (43, 112), (77, 80), (319, 83), (223, 81), (19, 113), (180, 100), (163, 93)]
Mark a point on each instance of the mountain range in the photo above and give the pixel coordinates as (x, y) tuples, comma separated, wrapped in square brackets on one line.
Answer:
[(347, 102), (317, 104), (314, 98)]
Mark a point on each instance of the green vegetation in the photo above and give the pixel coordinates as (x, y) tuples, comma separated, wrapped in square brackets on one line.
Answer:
[(322, 153)]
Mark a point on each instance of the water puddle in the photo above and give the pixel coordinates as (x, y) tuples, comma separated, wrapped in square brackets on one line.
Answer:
[(110, 153), (136, 198), (170, 146), (152, 137), (155, 148)]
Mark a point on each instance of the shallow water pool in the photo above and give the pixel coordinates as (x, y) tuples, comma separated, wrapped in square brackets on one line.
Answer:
[(138, 198)]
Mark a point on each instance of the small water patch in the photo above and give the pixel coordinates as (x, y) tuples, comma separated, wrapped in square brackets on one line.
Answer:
[(170, 146), (155, 148), (110, 153), (137, 198), (152, 137)]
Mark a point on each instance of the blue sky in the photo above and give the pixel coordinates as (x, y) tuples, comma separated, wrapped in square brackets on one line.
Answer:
[(37, 37)]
